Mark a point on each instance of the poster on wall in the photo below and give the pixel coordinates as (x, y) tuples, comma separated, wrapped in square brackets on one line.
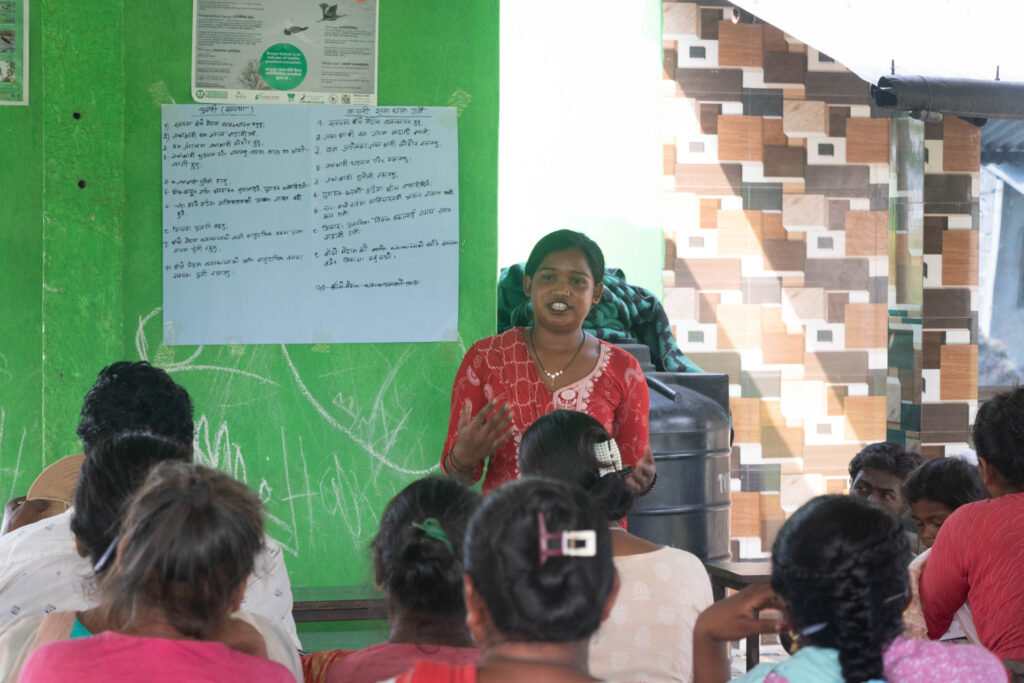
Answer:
[(284, 52), (13, 52), (309, 224)]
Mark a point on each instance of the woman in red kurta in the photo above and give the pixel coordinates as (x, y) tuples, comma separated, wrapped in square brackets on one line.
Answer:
[(507, 381)]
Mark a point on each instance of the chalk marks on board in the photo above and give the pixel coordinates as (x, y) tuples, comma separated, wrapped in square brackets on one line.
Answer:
[(346, 482), (11, 473), (383, 428), (142, 348)]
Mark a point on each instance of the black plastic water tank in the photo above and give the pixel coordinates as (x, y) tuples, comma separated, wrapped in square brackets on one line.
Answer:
[(689, 436)]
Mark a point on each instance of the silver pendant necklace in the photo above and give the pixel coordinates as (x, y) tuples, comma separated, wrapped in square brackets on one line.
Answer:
[(552, 376)]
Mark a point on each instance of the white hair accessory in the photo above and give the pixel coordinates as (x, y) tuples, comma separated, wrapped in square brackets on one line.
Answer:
[(609, 459)]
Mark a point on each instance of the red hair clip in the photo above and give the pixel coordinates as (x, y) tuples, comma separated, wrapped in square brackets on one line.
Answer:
[(582, 543)]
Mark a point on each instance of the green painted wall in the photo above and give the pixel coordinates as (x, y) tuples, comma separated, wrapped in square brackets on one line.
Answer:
[(21, 285), (326, 433)]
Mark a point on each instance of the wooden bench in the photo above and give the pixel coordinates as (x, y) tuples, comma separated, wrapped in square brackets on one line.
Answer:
[(739, 575), (338, 603)]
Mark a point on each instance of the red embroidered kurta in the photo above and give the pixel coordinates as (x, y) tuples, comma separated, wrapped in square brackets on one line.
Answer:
[(978, 556), (614, 393)]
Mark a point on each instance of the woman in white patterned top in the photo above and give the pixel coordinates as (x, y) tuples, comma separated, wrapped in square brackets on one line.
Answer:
[(649, 635)]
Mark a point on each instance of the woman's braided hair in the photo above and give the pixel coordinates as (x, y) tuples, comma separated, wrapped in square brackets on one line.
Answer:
[(841, 561)]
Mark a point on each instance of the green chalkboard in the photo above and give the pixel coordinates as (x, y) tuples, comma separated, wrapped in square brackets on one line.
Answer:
[(325, 433)]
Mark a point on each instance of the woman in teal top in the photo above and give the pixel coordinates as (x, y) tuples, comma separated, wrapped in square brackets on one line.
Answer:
[(839, 578)]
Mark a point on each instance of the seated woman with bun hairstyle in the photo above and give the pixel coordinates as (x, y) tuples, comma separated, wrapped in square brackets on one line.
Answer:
[(649, 635), (188, 541), (417, 559), (539, 580)]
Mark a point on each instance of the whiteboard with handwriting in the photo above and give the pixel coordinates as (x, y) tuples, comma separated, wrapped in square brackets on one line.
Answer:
[(309, 224)]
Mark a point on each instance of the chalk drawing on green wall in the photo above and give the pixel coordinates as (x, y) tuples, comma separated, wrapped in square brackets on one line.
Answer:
[(319, 454)]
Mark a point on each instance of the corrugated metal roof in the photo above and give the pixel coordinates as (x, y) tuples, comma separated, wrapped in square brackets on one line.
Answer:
[(938, 38), (1002, 141), (1011, 174)]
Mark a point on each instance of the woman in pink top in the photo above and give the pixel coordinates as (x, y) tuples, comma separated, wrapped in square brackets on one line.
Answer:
[(187, 543), (417, 559), (507, 381)]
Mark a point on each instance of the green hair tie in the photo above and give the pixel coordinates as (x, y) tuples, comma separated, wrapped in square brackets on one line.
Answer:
[(431, 528)]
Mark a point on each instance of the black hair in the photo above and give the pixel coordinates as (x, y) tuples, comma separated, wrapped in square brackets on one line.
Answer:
[(841, 561), (951, 482), (561, 240), (560, 445), (885, 456), (999, 435), (559, 600), (112, 471), (189, 539), (420, 572), (135, 396)]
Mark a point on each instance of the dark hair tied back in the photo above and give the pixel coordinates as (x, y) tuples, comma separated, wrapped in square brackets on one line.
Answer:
[(417, 553), (560, 445), (841, 561), (112, 471), (559, 600), (190, 537)]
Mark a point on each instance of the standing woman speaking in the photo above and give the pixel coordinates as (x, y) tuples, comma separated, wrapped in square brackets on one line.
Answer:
[(509, 380)]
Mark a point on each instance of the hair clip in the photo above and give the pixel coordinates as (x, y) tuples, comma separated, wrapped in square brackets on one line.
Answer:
[(580, 543), (814, 628), (609, 460), (432, 528), (100, 563), (897, 596)]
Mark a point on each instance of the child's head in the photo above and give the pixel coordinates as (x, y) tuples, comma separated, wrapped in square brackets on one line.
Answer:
[(189, 539), (112, 472), (839, 564), (938, 487), (561, 445), (417, 554), (527, 595)]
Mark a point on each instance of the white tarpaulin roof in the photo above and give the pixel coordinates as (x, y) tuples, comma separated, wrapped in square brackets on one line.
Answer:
[(937, 38)]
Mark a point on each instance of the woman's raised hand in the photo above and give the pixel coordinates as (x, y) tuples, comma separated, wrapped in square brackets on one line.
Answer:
[(479, 436), (734, 618)]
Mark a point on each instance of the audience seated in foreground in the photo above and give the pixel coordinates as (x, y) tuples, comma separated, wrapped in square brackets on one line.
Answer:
[(189, 539), (877, 474), (114, 470), (649, 634), (417, 559), (979, 550), (935, 490), (40, 569), (539, 580), (840, 581)]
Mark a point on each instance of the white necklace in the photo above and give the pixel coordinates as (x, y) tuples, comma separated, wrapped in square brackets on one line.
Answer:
[(554, 375)]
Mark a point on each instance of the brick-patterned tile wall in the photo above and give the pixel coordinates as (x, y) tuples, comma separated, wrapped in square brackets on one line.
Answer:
[(777, 256)]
